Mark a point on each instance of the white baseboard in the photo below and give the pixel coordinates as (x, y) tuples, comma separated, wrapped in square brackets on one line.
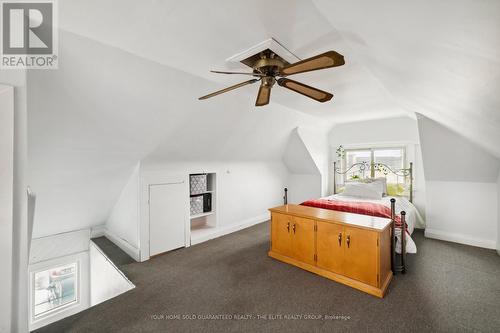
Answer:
[(459, 238), (221, 231), (123, 244), (97, 231)]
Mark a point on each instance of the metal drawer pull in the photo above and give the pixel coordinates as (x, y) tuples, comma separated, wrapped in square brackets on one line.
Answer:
[(288, 226), (293, 228), (340, 239), (348, 240)]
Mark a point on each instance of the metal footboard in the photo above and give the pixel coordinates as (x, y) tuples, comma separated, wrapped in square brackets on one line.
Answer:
[(401, 267)]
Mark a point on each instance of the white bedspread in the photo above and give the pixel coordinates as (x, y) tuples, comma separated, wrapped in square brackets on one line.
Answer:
[(401, 204)]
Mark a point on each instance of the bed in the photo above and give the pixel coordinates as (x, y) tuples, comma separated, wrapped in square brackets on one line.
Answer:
[(395, 202), (354, 204)]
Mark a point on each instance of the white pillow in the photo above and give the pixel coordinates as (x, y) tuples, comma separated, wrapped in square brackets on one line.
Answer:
[(383, 183), (363, 190)]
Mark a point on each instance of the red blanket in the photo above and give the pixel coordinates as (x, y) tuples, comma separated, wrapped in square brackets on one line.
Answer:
[(356, 207)]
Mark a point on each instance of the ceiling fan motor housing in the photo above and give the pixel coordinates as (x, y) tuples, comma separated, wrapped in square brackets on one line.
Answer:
[(268, 66)]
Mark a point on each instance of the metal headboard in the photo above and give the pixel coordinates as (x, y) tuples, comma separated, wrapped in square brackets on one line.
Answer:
[(364, 167)]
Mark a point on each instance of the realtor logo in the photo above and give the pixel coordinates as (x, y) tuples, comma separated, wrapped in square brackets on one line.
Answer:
[(29, 35)]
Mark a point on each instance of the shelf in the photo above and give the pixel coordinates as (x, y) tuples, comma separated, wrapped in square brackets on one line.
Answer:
[(202, 233), (201, 215), (203, 225)]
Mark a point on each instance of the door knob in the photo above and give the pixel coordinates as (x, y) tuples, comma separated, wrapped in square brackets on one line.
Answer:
[(348, 240), (340, 239)]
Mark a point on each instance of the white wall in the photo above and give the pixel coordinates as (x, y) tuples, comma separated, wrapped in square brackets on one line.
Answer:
[(303, 187), (462, 212), (461, 187), (304, 175), (401, 131), (106, 281), (316, 142), (297, 157), (245, 190), (20, 241), (60, 245), (248, 190), (123, 220), (6, 202)]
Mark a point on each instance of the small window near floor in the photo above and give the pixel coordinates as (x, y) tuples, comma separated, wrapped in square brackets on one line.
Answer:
[(54, 289)]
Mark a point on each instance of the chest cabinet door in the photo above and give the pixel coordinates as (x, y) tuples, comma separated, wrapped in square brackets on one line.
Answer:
[(360, 255), (281, 227), (329, 246), (303, 239)]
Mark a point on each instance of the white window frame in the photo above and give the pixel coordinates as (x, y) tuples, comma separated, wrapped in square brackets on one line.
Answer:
[(81, 289), (60, 308), (372, 148), (372, 154)]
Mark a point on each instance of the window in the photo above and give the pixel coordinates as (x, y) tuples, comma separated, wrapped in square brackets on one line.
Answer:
[(54, 289), (394, 157)]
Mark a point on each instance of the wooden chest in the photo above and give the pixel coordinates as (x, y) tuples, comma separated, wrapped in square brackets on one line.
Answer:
[(348, 248)]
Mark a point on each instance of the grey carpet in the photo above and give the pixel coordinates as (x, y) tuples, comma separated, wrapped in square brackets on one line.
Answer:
[(113, 252), (449, 288)]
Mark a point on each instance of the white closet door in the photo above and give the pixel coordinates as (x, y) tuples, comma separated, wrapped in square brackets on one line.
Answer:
[(167, 217)]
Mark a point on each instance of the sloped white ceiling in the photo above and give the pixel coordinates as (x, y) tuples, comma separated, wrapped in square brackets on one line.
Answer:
[(105, 109), (437, 58), (196, 36), (440, 59), (454, 158), (131, 72)]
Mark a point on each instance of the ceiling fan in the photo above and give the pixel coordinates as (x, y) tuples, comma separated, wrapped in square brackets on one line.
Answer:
[(269, 68)]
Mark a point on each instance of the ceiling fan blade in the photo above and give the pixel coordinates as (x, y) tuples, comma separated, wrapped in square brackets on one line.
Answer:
[(229, 89), (316, 94), (321, 61), (241, 73), (263, 96)]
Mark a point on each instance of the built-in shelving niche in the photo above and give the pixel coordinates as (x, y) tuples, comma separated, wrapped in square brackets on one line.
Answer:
[(203, 219)]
